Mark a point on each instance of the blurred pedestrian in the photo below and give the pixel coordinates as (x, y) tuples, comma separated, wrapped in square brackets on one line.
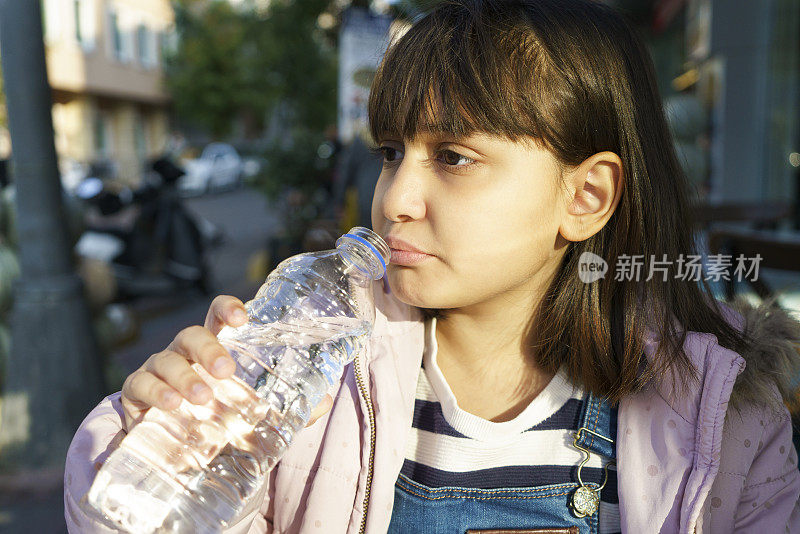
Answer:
[(4, 178), (356, 174)]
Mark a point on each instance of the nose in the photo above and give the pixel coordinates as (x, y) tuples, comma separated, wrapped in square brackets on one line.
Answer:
[(400, 192)]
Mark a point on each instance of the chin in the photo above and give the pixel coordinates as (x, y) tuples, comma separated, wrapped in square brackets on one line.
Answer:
[(428, 306), (421, 293), (410, 297)]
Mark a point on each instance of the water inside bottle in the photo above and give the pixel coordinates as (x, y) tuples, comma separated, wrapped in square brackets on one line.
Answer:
[(203, 462)]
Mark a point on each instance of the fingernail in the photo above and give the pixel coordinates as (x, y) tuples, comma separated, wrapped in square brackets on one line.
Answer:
[(220, 364), (239, 316), (201, 392)]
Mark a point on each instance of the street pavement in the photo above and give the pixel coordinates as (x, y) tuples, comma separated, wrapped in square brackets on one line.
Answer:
[(247, 222)]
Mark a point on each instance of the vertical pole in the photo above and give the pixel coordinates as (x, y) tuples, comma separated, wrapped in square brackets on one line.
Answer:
[(53, 376)]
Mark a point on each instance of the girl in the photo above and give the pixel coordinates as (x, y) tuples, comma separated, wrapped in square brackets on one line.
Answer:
[(516, 375)]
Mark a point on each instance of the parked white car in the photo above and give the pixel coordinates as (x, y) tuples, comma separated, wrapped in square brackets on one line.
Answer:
[(218, 168)]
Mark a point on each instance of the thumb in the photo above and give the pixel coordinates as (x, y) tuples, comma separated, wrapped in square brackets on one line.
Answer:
[(320, 409)]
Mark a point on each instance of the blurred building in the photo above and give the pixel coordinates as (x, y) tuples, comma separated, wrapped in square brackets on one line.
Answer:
[(747, 58), (104, 62), (729, 72)]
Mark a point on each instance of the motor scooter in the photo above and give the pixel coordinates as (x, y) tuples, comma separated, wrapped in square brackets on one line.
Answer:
[(154, 245)]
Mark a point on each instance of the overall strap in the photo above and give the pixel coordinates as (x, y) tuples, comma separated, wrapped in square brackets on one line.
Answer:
[(597, 430)]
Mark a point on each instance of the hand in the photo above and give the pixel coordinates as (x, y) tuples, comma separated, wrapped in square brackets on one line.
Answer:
[(166, 378)]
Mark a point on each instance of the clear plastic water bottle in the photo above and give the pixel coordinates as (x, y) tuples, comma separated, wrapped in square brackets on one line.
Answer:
[(193, 469)]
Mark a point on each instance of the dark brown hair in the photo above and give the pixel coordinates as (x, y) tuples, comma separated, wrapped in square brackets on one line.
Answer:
[(574, 76)]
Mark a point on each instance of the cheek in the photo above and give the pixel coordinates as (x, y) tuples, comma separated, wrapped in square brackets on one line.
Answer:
[(506, 229), (500, 244), (489, 243)]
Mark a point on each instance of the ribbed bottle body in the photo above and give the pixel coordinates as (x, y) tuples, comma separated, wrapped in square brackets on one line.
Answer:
[(194, 469)]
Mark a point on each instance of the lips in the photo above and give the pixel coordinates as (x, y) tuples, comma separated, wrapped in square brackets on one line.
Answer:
[(395, 243), (404, 253)]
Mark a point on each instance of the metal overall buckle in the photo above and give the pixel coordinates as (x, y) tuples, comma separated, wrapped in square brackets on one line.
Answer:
[(585, 500)]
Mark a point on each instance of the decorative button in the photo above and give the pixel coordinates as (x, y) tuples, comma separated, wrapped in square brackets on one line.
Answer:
[(585, 501)]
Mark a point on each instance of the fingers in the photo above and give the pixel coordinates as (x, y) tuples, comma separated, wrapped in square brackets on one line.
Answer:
[(164, 379), (198, 344), (143, 389), (167, 377), (225, 310), (176, 371)]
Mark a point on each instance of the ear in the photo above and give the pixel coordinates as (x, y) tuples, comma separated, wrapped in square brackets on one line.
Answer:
[(593, 191)]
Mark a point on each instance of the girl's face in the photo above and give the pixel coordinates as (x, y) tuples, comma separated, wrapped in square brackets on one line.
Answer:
[(486, 210)]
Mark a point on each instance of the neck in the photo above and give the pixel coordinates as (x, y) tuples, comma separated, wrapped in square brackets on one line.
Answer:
[(490, 347), (485, 347)]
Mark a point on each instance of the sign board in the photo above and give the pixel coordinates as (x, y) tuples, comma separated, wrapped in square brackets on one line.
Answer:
[(363, 39)]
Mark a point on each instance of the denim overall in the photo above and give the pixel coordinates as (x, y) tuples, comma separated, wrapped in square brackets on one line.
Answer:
[(455, 510)]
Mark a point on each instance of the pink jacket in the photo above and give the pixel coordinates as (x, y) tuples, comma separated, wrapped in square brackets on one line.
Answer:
[(685, 465)]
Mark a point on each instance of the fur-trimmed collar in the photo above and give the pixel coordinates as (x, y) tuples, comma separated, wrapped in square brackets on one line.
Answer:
[(774, 357)]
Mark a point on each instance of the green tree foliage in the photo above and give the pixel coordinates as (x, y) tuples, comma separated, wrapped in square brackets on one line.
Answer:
[(206, 74), (234, 63), (302, 61)]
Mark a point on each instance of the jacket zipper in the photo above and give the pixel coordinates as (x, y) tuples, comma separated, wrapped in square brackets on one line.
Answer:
[(370, 468)]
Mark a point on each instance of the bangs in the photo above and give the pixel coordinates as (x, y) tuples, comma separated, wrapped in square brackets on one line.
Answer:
[(452, 73)]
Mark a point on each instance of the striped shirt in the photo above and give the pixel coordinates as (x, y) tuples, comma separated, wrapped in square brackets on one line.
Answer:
[(451, 447)]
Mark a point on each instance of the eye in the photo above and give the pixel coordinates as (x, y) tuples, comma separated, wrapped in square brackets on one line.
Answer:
[(453, 158), (388, 153)]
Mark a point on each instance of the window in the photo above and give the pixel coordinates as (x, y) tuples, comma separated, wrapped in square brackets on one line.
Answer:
[(141, 43), (120, 38), (82, 14), (116, 35), (146, 46), (102, 134), (69, 21), (76, 11)]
